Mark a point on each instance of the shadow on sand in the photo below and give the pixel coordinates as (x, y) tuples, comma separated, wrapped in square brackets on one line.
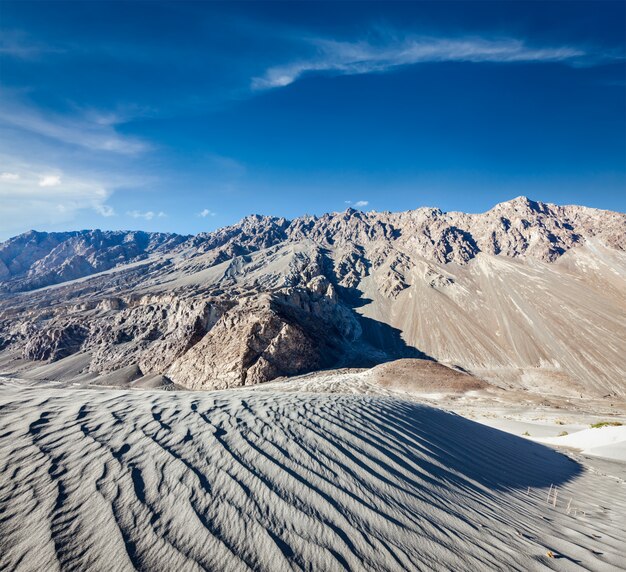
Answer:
[(449, 448)]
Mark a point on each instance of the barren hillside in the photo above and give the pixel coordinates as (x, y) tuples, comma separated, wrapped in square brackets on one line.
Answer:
[(526, 295)]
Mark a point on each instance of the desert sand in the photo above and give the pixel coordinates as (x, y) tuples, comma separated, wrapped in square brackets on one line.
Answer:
[(106, 479)]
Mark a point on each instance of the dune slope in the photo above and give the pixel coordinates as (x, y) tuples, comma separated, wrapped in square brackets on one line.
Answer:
[(234, 480)]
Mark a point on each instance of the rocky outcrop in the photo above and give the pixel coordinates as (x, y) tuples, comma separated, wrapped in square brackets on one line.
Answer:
[(250, 344), (55, 342)]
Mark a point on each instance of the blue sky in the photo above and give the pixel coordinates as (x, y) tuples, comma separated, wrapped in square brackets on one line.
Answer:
[(186, 117)]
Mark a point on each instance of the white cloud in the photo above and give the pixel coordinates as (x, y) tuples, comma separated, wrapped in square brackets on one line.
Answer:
[(18, 50), (27, 203), (105, 210), (359, 204), (50, 181), (147, 215), (352, 58), (206, 212), (88, 130)]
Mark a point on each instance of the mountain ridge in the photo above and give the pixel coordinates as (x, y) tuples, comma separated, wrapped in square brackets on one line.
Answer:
[(527, 295), (262, 231)]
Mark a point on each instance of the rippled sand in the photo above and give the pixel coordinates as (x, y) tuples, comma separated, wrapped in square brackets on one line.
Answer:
[(116, 480)]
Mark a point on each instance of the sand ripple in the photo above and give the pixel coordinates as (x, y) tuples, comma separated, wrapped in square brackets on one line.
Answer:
[(115, 480)]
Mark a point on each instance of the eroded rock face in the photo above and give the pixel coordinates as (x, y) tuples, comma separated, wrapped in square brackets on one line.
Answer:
[(152, 332), (260, 338), (269, 297), (200, 343), (55, 342)]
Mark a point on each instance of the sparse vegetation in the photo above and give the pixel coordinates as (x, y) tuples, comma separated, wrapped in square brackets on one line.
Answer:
[(525, 434), (606, 424), (563, 433), (559, 422)]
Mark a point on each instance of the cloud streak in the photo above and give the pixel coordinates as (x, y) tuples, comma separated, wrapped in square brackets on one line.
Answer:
[(50, 181), (95, 134), (148, 215), (16, 44), (104, 210), (354, 58)]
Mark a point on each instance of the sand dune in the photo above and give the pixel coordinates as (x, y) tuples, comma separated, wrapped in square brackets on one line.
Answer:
[(424, 376), (116, 480), (608, 442)]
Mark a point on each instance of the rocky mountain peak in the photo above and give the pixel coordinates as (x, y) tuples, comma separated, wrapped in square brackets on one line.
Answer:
[(523, 204)]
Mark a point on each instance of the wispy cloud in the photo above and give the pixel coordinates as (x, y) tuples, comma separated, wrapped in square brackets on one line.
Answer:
[(206, 212), (352, 58), (50, 181), (17, 44), (105, 210), (33, 194), (90, 131), (147, 215), (358, 204)]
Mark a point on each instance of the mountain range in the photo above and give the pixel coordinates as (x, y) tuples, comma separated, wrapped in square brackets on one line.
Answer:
[(527, 295)]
